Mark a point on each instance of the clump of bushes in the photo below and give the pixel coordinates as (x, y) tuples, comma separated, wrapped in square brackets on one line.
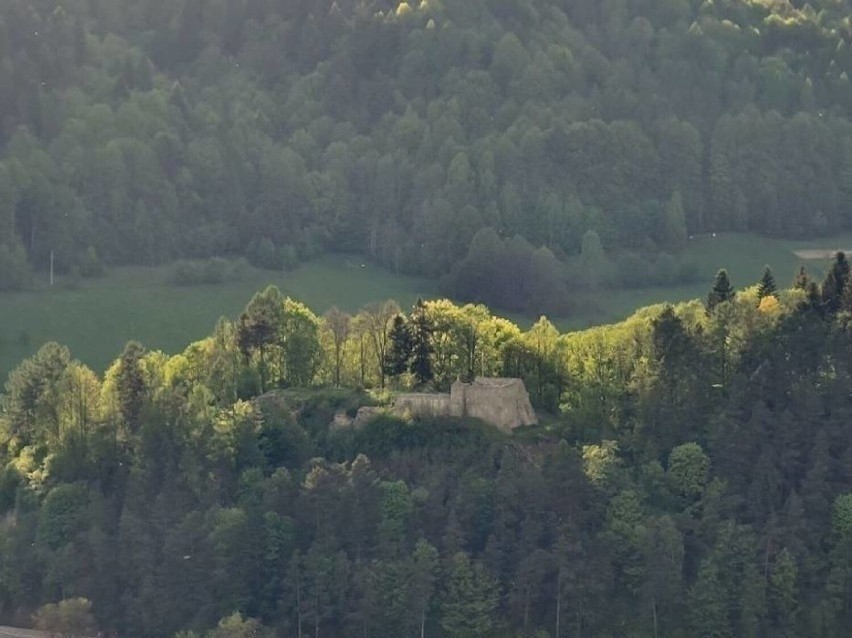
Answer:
[(15, 273), (265, 254), (638, 271), (215, 270)]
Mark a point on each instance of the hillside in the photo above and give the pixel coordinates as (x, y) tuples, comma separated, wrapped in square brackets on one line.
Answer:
[(692, 475), (502, 145)]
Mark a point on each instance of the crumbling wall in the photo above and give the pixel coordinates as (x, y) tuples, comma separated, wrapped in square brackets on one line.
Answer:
[(502, 402), (423, 405)]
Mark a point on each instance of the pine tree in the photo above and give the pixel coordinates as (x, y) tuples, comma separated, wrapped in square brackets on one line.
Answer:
[(834, 283), (399, 352), (471, 599), (421, 346), (846, 298), (802, 279), (131, 385), (767, 287), (721, 291), (707, 604)]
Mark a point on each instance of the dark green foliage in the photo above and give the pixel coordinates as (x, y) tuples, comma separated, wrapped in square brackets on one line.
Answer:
[(802, 279), (509, 273), (210, 271), (29, 402), (401, 346), (658, 499), (91, 265), (834, 284), (14, 269), (258, 326), (421, 343), (153, 131), (721, 292), (767, 286), (130, 385)]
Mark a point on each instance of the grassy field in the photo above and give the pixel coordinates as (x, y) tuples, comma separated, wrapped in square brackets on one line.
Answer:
[(743, 255), (98, 318)]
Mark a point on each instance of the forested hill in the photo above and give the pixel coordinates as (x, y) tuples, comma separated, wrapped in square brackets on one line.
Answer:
[(144, 130), (692, 476)]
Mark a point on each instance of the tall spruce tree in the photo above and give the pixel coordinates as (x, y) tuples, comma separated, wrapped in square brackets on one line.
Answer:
[(399, 352), (834, 283), (131, 385), (421, 343), (721, 291), (767, 287), (846, 298)]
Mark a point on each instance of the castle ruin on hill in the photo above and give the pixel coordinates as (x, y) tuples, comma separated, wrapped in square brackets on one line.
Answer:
[(502, 402)]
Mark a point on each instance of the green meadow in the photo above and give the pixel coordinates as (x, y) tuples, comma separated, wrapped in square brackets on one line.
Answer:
[(96, 318)]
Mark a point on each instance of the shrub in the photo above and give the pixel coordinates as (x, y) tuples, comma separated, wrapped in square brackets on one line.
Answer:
[(91, 265), (15, 273), (212, 271)]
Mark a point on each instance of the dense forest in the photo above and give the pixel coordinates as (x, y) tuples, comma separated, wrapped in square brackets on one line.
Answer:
[(692, 476), (428, 135)]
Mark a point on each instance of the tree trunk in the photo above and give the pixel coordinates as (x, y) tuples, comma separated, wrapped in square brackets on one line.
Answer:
[(558, 601), (298, 603), (654, 609)]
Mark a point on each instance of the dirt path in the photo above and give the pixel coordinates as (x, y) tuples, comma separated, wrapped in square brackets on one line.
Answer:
[(15, 632), (820, 253)]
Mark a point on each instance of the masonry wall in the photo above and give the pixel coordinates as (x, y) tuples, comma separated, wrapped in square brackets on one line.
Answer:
[(502, 402), (423, 405)]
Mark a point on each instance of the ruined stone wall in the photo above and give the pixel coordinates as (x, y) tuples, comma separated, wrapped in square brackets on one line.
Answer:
[(502, 402), (423, 405)]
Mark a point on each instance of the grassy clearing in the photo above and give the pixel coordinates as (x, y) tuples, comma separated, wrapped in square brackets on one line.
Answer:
[(97, 319), (743, 255)]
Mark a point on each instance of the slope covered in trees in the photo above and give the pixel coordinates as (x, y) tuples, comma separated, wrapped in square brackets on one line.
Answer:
[(149, 130), (694, 477)]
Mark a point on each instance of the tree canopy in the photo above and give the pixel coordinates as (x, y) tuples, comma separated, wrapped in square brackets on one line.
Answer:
[(688, 477)]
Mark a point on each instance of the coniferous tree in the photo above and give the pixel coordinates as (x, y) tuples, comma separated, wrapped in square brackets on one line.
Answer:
[(421, 343), (721, 291), (846, 298), (399, 351), (767, 287), (470, 600), (131, 385), (802, 279), (834, 283)]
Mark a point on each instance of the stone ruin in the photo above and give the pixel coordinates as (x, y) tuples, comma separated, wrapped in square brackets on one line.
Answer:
[(502, 402)]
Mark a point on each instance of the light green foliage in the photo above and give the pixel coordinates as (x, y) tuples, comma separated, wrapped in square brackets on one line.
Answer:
[(207, 505), (842, 516), (601, 463), (301, 350), (688, 470), (69, 618), (62, 515), (396, 509), (470, 599), (236, 626), (707, 604)]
